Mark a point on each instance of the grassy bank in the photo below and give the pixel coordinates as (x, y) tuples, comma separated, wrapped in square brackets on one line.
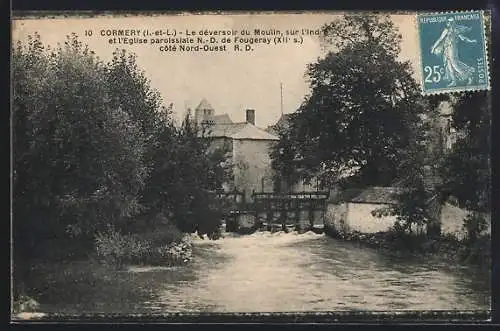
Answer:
[(47, 278), (165, 246), (477, 252)]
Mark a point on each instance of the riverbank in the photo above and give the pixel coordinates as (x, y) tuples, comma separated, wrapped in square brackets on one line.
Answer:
[(444, 247), (50, 280), (274, 272)]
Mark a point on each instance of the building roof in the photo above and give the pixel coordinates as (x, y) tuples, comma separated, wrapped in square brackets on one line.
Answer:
[(222, 119), (240, 131), (375, 195), (204, 104)]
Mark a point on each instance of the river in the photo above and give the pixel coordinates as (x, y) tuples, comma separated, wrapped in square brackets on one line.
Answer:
[(279, 272)]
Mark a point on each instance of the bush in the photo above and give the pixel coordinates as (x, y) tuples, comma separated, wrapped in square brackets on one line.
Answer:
[(117, 249), (161, 235), (477, 252), (474, 225)]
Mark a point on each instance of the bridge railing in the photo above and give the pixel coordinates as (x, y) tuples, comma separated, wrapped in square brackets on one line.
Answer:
[(271, 201), (231, 200)]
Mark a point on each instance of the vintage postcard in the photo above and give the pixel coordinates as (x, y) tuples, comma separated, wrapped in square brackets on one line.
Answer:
[(172, 166)]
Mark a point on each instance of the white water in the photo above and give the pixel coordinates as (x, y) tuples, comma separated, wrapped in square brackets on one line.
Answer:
[(272, 272), (280, 272)]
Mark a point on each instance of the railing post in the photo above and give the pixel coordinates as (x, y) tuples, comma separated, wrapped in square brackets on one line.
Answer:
[(297, 215), (269, 216), (311, 215), (283, 214)]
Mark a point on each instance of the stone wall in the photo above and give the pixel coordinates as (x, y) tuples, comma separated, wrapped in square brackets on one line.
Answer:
[(452, 220), (349, 217), (225, 144), (252, 164)]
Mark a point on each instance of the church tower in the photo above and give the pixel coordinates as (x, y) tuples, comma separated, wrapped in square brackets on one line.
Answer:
[(204, 112)]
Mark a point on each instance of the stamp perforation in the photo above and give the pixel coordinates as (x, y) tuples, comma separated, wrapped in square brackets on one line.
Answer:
[(486, 55)]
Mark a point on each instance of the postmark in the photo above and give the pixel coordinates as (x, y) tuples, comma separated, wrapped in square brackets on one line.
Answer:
[(453, 52)]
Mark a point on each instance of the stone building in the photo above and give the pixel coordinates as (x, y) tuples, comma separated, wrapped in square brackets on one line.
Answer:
[(247, 145)]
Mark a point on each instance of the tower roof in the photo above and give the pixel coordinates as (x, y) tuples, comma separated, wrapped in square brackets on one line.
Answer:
[(204, 104)]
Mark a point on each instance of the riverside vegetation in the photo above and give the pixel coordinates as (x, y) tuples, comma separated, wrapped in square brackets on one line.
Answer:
[(474, 249), (101, 169)]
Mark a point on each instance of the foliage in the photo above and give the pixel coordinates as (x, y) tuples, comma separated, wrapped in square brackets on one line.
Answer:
[(130, 91), (477, 252), (363, 112), (418, 199), (117, 249), (93, 145), (474, 225), (466, 169), (185, 171), (77, 159), (411, 211), (365, 122)]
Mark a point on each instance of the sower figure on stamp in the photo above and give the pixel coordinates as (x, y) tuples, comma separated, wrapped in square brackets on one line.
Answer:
[(447, 47)]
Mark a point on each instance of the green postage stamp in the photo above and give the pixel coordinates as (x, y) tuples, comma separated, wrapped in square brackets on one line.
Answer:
[(453, 51)]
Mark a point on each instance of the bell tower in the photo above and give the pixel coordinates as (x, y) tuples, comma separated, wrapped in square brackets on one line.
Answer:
[(204, 112)]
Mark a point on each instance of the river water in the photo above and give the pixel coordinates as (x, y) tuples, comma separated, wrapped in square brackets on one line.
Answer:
[(282, 272)]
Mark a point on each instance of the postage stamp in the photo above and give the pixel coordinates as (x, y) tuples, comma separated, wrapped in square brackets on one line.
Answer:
[(453, 52)]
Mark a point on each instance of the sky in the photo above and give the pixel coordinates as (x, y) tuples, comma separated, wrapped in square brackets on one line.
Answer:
[(230, 81)]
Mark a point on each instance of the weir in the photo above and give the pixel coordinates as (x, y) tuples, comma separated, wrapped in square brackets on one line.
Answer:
[(302, 210)]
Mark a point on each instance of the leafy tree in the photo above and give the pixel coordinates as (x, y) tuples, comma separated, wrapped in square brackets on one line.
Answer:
[(467, 167), (365, 122), (364, 109), (130, 90), (180, 161), (78, 160), (466, 170), (185, 172)]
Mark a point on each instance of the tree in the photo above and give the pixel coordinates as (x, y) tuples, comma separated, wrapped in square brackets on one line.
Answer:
[(185, 173), (78, 159), (94, 145), (466, 169), (364, 109), (130, 90)]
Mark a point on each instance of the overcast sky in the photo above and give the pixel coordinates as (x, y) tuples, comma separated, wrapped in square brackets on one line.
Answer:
[(230, 81)]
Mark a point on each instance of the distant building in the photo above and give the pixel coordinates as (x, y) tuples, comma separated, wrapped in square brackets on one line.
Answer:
[(247, 145), (204, 114)]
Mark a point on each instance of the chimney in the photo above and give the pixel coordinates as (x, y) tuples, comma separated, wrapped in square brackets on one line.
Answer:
[(251, 116)]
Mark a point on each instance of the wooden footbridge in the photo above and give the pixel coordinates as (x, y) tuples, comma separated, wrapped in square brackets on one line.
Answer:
[(266, 210)]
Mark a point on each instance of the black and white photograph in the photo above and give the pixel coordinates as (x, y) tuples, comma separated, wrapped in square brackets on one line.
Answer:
[(267, 163)]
